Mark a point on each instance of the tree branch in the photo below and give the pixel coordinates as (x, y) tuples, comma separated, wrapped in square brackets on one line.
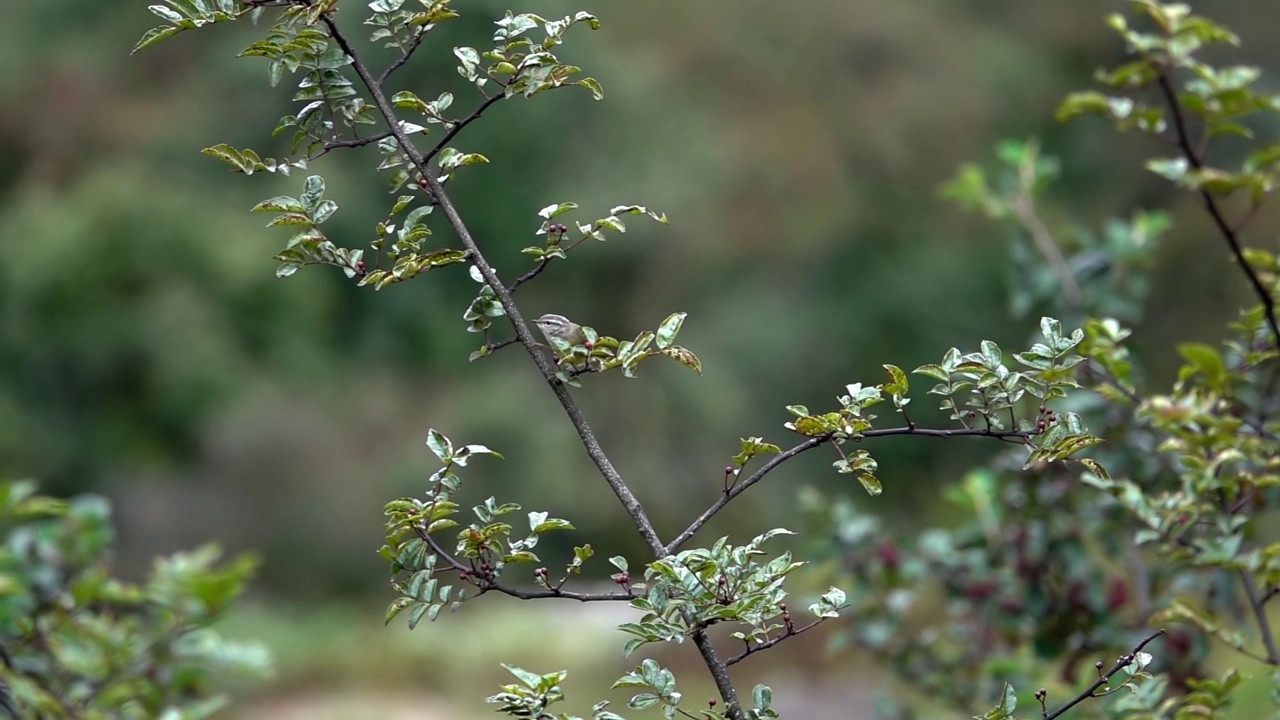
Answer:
[(457, 128), (517, 592), (1257, 603), (611, 476), (814, 442), (1024, 208), (405, 53), (1229, 233), (740, 488), (1266, 598), (543, 262), (719, 673), (1122, 663), (791, 632), (348, 143)]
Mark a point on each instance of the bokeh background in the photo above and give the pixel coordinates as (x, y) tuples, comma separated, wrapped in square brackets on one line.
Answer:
[(148, 353)]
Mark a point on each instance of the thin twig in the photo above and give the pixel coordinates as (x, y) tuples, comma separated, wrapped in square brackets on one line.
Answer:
[(457, 127), (814, 442), (1094, 368), (1228, 232), (405, 54), (1257, 603), (494, 347), (1025, 210), (1124, 662), (770, 643), (1266, 598), (738, 489), (330, 145), (542, 265)]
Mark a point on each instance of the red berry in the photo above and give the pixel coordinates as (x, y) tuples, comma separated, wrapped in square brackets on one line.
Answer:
[(889, 554), (1011, 606), (1117, 594), (980, 589), (712, 702)]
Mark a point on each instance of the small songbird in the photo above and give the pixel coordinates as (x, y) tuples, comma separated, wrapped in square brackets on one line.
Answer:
[(561, 328)]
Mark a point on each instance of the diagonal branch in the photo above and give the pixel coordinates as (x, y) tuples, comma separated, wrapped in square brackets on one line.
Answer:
[(791, 632), (457, 128), (611, 476), (1024, 208), (740, 488), (542, 265), (405, 53), (1229, 233), (1257, 603), (1124, 662), (814, 442)]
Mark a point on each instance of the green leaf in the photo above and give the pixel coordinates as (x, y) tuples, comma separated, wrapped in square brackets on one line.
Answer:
[(528, 679), (934, 371), (870, 484), (763, 696), (1004, 710), (684, 357), (440, 445), (1172, 168), (643, 701), (597, 91), (281, 203), (155, 35), (898, 383), (551, 211), (1203, 359), (669, 329), (1263, 159), (1096, 468), (312, 192), (406, 99)]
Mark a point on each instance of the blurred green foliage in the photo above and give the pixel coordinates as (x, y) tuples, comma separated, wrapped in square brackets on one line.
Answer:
[(77, 642)]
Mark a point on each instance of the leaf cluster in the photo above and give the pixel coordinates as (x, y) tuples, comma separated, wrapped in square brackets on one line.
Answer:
[(77, 642)]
